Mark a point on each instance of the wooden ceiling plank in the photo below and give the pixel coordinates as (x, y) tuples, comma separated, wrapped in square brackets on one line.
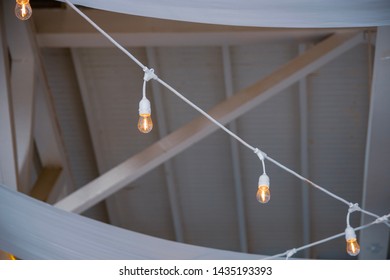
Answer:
[(22, 85), (8, 156), (65, 28), (45, 183), (62, 21), (304, 156), (92, 121), (47, 131), (179, 140), (235, 156)]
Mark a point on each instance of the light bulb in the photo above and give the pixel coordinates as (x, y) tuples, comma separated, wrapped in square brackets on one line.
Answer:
[(23, 9), (263, 194), (353, 247), (145, 123)]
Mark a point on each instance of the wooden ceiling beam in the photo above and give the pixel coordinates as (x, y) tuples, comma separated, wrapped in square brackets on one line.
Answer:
[(8, 157), (65, 28), (47, 131), (22, 85), (235, 155), (45, 183), (179, 140), (374, 241)]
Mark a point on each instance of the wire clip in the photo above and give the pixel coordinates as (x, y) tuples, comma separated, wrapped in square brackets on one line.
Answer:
[(149, 74), (260, 154), (290, 253), (353, 207), (382, 219)]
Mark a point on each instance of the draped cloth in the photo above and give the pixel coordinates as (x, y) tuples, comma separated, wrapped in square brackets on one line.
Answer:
[(31, 229), (260, 13)]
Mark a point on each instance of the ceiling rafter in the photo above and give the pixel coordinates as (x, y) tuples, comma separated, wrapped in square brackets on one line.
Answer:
[(245, 100), (45, 183), (240, 209), (46, 130), (304, 156), (376, 192), (18, 36), (8, 158), (135, 31)]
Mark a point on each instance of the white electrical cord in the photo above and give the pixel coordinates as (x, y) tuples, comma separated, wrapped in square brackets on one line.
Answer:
[(149, 74), (307, 180), (178, 94), (105, 34), (293, 251)]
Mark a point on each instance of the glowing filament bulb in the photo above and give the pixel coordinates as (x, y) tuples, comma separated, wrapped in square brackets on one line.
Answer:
[(353, 247), (263, 194), (145, 123), (23, 9)]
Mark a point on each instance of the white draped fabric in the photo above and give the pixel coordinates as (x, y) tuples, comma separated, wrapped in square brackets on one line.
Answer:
[(262, 13), (31, 229)]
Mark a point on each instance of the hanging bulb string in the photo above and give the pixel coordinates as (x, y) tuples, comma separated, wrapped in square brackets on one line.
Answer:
[(149, 74), (146, 70), (295, 250), (382, 219), (308, 181), (355, 207)]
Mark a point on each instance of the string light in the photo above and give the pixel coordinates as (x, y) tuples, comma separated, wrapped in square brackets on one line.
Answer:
[(289, 253), (263, 194), (353, 247), (23, 10), (145, 124), (263, 187)]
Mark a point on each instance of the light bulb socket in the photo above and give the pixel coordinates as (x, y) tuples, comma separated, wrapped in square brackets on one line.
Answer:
[(144, 106), (350, 233), (263, 180)]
